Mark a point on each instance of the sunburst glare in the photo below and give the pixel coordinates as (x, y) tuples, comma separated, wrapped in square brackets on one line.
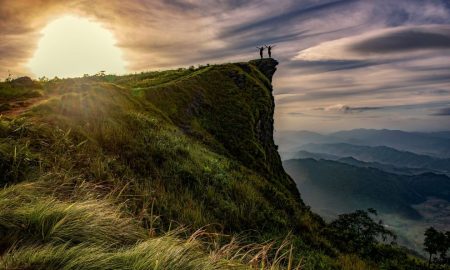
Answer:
[(72, 46)]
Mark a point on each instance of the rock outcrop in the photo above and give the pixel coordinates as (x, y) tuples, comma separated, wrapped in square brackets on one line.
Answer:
[(234, 104), (23, 82), (267, 66)]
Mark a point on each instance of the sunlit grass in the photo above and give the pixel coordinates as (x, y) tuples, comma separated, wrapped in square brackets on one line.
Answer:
[(105, 170), (39, 231)]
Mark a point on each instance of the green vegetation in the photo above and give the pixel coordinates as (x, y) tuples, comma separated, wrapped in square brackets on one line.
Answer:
[(347, 187), (160, 170), (83, 232), (357, 232), (437, 242), (18, 89)]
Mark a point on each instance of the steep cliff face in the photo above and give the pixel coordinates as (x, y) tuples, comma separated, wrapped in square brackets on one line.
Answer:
[(230, 108), (198, 137), (265, 124), (267, 66), (188, 146)]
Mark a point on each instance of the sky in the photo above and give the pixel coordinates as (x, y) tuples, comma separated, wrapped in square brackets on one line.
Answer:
[(344, 64)]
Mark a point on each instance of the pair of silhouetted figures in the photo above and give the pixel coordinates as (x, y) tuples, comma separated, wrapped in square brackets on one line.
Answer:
[(269, 50)]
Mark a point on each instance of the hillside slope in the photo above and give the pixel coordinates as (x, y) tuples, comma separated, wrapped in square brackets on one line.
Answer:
[(99, 169), (408, 204), (347, 187)]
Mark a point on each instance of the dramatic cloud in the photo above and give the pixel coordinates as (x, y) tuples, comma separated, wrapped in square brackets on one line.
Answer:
[(347, 109), (152, 34), (404, 40), (365, 54), (381, 44), (443, 112)]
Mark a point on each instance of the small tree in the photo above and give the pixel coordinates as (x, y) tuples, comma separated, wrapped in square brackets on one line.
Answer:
[(43, 79), (443, 246), (357, 232), (9, 79), (436, 242), (101, 73), (432, 242)]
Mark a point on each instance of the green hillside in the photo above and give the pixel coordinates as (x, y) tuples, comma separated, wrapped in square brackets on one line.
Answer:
[(408, 204), (159, 170), (347, 187)]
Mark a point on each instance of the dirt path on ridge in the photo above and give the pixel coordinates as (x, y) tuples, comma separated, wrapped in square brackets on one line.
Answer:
[(20, 106)]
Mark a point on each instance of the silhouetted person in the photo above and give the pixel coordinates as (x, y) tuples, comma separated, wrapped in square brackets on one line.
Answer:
[(269, 50), (261, 51)]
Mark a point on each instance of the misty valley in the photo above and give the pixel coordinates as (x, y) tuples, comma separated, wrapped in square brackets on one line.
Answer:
[(403, 175)]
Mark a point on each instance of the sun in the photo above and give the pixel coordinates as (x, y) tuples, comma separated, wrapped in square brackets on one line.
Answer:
[(72, 46)]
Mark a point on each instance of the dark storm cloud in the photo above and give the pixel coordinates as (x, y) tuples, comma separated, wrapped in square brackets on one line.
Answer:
[(207, 5), (296, 113), (442, 112), (181, 4), (275, 38), (300, 12), (405, 40), (440, 92), (333, 65), (363, 92), (348, 109)]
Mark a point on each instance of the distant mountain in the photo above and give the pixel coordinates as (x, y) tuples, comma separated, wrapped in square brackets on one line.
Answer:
[(305, 154), (332, 185), (289, 140), (435, 144), (352, 161), (440, 134), (399, 173), (380, 154), (385, 167)]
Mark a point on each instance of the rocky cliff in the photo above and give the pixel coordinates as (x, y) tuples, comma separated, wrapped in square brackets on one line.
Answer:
[(230, 107), (199, 137)]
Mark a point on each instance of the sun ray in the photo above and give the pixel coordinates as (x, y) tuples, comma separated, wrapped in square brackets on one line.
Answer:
[(72, 46)]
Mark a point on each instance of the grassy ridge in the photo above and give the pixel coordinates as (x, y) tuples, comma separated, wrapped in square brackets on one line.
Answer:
[(92, 234), (160, 170), (100, 170)]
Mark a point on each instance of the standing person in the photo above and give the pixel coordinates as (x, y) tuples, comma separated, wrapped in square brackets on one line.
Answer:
[(269, 50), (261, 51)]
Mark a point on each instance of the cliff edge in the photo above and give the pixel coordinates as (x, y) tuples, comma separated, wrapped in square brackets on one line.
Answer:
[(99, 165), (230, 107)]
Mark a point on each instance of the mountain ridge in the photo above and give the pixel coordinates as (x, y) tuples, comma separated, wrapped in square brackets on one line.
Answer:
[(436, 144), (391, 192), (161, 147), (101, 170), (381, 154)]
